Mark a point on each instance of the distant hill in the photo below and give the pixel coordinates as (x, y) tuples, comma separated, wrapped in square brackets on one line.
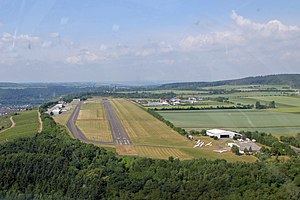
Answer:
[(278, 79)]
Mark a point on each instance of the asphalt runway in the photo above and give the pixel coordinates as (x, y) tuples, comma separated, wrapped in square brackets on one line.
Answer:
[(120, 136), (119, 133)]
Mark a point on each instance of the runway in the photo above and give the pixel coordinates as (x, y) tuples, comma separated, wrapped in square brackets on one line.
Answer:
[(119, 133), (120, 136)]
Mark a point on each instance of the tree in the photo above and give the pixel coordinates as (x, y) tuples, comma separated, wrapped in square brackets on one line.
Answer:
[(257, 105), (235, 149), (272, 104)]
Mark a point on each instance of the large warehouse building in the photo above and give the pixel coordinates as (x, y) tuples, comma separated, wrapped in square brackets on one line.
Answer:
[(221, 133)]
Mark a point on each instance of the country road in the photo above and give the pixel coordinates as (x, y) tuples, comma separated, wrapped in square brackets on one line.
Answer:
[(119, 134)]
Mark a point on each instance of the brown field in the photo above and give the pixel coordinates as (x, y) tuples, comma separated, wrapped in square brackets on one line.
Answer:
[(126, 150), (161, 152), (143, 128), (92, 121)]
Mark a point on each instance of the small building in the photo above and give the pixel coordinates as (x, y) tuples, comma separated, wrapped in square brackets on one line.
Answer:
[(158, 104), (163, 100), (221, 133), (142, 101)]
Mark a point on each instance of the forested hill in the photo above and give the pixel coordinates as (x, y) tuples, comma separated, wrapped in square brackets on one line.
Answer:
[(279, 79)]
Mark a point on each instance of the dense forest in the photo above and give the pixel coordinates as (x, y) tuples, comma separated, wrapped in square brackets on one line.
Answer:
[(292, 80), (51, 165)]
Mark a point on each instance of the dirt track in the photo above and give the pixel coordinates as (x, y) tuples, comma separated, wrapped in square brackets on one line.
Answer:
[(119, 134), (13, 124)]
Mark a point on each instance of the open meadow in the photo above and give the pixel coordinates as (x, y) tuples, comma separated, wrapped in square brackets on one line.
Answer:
[(92, 121), (26, 124)]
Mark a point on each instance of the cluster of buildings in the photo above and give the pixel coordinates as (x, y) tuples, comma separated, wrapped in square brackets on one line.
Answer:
[(168, 102), (5, 109), (248, 144), (57, 109)]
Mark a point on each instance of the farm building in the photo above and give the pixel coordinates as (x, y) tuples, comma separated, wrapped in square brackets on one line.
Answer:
[(221, 133)]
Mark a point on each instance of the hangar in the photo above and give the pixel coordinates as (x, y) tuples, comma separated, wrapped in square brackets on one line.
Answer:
[(221, 133)]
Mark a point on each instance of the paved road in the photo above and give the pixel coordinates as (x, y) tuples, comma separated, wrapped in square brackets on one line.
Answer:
[(76, 132), (119, 133)]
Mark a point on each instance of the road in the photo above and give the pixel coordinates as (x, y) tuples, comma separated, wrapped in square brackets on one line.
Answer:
[(120, 137), (119, 133)]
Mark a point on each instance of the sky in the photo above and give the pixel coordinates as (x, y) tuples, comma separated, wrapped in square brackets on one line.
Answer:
[(147, 40)]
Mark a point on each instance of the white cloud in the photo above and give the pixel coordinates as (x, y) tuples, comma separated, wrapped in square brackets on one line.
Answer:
[(245, 33), (84, 57), (271, 26), (7, 37)]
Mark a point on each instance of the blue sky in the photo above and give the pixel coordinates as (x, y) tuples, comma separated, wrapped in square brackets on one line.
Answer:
[(135, 40)]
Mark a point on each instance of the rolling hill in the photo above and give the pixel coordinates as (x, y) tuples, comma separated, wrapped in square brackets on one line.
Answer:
[(279, 79)]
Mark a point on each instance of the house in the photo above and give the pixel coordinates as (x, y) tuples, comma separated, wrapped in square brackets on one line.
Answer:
[(221, 133)]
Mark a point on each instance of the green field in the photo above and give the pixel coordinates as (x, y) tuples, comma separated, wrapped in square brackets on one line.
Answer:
[(27, 124), (260, 120)]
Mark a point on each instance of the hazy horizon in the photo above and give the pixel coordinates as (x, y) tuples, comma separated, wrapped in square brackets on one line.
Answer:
[(147, 41)]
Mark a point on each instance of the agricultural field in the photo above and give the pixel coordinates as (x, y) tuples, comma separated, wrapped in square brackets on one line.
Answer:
[(92, 121), (200, 104), (27, 124), (254, 120), (284, 119)]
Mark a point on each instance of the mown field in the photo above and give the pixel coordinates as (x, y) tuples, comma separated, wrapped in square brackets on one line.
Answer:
[(152, 138), (27, 124), (92, 121), (143, 128)]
